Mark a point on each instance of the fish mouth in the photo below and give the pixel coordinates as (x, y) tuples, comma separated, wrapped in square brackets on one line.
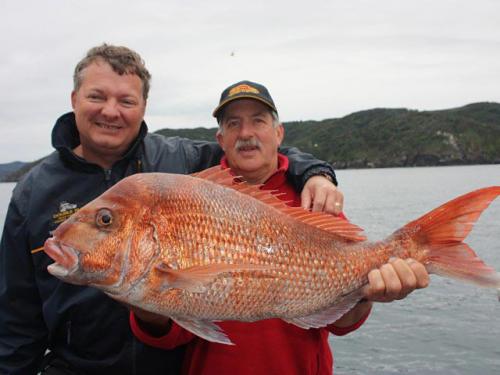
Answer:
[(64, 256)]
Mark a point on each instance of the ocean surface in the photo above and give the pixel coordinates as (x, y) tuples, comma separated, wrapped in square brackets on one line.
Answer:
[(448, 328)]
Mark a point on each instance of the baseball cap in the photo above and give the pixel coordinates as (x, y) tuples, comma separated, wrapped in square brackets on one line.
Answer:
[(244, 90)]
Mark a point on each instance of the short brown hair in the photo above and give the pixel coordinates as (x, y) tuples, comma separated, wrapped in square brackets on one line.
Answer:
[(121, 59)]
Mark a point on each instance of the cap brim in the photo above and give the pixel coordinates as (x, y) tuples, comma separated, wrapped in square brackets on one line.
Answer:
[(229, 100)]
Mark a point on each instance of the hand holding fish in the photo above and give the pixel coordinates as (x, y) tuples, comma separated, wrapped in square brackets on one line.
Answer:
[(321, 195), (392, 281), (395, 280)]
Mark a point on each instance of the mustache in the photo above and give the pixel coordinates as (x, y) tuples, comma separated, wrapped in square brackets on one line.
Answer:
[(252, 142)]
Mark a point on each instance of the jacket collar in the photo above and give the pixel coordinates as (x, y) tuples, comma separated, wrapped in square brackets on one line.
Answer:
[(65, 138)]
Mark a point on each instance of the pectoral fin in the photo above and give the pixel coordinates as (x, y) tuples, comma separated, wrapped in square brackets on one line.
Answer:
[(204, 329), (195, 279)]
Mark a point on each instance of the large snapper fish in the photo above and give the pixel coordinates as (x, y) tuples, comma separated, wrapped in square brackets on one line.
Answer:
[(204, 248)]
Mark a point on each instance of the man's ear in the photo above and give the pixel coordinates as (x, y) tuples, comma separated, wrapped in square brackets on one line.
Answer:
[(73, 98), (280, 133), (220, 139)]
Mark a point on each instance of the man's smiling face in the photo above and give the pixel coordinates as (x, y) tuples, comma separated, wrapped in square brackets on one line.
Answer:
[(109, 109)]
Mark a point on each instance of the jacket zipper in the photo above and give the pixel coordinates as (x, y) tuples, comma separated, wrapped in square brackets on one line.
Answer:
[(107, 174)]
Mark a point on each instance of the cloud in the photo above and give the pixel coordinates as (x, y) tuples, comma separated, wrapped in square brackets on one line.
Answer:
[(320, 59)]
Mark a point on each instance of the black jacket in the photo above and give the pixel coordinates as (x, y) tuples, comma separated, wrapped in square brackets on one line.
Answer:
[(81, 325)]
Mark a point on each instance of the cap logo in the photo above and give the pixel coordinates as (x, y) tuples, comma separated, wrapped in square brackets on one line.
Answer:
[(243, 88)]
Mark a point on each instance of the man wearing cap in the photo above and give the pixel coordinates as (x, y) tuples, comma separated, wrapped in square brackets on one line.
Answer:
[(52, 327), (250, 134)]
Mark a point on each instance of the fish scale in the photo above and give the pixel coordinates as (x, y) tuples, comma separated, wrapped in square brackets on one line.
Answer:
[(205, 248)]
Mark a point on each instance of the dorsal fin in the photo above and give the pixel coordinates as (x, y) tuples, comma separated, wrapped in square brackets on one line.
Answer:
[(216, 174), (340, 227)]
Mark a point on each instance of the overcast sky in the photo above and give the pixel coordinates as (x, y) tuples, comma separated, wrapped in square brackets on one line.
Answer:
[(319, 59)]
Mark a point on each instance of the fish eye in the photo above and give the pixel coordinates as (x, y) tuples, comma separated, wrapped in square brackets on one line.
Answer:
[(104, 218)]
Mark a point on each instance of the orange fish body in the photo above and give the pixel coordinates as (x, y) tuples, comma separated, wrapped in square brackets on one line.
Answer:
[(204, 249)]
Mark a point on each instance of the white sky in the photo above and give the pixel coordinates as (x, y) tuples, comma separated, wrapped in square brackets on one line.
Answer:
[(319, 59)]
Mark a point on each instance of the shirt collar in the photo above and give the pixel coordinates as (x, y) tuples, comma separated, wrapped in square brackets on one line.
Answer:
[(276, 179)]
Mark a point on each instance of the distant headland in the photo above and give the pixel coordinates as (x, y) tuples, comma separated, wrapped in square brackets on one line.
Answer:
[(377, 138)]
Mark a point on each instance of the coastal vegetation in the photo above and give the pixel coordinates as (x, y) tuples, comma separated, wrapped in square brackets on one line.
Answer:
[(382, 137)]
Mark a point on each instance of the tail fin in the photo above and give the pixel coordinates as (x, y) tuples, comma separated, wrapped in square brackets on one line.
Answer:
[(442, 231)]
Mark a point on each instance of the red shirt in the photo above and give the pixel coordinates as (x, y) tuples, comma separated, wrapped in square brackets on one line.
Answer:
[(267, 347)]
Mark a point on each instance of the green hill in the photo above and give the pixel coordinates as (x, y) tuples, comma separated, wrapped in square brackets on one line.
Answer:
[(9, 168), (394, 137), (401, 137), (202, 134), (383, 137), (16, 174)]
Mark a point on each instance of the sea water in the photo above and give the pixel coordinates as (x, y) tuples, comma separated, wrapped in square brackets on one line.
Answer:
[(448, 328)]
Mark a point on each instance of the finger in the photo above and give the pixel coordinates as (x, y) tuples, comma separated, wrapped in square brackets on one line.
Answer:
[(319, 200), (392, 283), (406, 277), (334, 203), (420, 273), (306, 198), (331, 204), (375, 290), (339, 204)]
